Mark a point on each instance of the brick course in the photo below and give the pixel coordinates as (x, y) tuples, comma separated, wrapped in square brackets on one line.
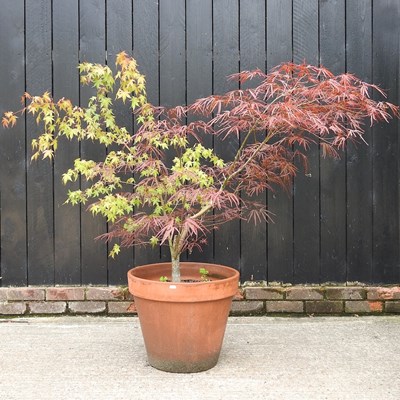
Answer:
[(363, 307), (249, 300), (17, 294), (264, 293), (247, 307), (340, 293), (87, 307), (239, 295), (300, 293), (47, 307), (3, 294), (324, 307), (121, 307), (12, 308), (383, 293), (284, 306), (392, 306), (62, 293), (94, 293)]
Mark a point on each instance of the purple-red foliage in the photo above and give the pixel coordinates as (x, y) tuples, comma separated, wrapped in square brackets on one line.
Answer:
[(293, 107)]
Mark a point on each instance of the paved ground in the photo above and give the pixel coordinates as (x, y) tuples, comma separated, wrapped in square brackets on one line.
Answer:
[(262, 358)]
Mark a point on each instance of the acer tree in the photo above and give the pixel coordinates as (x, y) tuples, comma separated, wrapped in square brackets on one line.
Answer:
[(161, 185)]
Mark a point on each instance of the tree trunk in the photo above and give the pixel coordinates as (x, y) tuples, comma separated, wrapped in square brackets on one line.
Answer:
[(176, 271)]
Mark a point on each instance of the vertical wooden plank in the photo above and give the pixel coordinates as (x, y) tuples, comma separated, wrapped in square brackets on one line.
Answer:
[(280, 233), (306, 185), (92, 49), (172, 53), (359, 159), (226, 62), (145, 45), (386, 16), (119, 38), (199, 78), (39, 174), (67, 231), (253, 260), (199, 50), (172, 61), (333, 172), (12, 147)]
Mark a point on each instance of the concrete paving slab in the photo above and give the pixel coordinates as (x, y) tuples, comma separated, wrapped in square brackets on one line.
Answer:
[(262, 358)]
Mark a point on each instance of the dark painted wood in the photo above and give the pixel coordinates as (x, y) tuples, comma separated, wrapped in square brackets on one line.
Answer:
[(39, 174), (306, 183), (119, 38), (145, 50), (67, 232), (253, 260), (226, 62), (92, 49), (352, 216), (359, 158), (12, 147), (172, 53), (199, 79), (333, 172), (172, 63), (386, 16), (280, 233)]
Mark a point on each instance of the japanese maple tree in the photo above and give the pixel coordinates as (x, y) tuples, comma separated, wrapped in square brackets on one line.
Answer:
[(160, 185)]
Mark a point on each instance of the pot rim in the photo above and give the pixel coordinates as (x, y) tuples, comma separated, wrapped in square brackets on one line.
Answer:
[(150, 288)]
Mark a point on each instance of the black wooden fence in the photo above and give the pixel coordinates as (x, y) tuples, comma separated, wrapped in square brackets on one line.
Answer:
[(342, 222)]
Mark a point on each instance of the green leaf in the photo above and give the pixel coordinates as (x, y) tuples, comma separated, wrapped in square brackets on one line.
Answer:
[(115, 250), (153, 241)]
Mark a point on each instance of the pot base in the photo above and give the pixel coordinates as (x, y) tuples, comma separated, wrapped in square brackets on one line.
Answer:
[(185, 367)]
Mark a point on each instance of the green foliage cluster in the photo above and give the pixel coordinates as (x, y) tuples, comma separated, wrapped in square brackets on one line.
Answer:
[(138, 161)]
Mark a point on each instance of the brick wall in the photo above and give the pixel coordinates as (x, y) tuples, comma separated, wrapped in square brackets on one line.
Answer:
[(65, 300), (250, 300)]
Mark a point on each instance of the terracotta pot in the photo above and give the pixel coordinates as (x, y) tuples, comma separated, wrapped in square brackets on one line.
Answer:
[(183, 324)]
